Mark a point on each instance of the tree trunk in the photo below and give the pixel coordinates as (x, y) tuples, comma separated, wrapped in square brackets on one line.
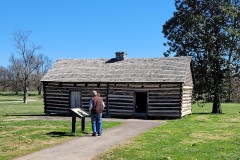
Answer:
[(39, 88), (39, 91), (16, 88), (216, 104), (217, 83), (25, 95)]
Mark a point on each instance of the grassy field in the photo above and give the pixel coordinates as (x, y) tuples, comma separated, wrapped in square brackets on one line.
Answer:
[(24, 129), (200, 136)]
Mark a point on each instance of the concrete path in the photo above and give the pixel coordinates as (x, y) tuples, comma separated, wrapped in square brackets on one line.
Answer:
[(88, 147)]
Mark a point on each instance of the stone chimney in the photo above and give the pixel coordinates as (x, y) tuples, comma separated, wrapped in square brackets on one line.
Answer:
[(121, 56)]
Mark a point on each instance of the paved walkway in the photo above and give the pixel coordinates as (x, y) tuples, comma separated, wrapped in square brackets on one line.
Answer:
[(88, 147)]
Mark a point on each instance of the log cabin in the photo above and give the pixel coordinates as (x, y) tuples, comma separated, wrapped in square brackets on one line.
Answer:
[(132, 87)]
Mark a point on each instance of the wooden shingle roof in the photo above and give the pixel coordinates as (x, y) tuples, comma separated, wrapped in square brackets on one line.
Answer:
[(167, 69)]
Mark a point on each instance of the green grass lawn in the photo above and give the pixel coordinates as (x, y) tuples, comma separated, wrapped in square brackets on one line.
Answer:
[(200, 136), (19, 135)]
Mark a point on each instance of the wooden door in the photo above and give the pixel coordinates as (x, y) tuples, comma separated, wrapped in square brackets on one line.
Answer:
[(75, 99), (140, 102)]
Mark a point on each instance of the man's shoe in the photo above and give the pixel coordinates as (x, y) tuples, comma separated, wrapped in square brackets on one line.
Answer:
[(94, 134), (99, 134)]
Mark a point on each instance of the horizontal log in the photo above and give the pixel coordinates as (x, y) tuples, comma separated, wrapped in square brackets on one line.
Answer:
[(187, 102), (57, 111), (170, 89), (151, 85), (119, 100), (80, 84), (121, 89), (84, 89), (187, 87), (56, 90), (187, 105), (120, 96), (135, 85), (170, 85), (85, 106), (186, 98), (121, 108), (170, 97), (85, 102), (52, 84), (58, 97), (164, 94), (158, 106), (63, 87), (164, 111), (120, 104), (56, 107), (57, 104), (122, 114), (120, 92), (164, 114), (164, 100), (164, 104), (68, 84), (186, 109), (57, 101), (164, 107), (190, 92), (56, 94), (186, 113), (86, 98), (120, 111)]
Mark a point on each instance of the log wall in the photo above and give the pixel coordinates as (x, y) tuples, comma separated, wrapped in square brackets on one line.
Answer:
[(165, 101), (187, 95), (168, 100), (57, 96)]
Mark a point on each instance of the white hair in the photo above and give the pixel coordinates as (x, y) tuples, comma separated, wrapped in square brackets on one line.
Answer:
[(94, 93)]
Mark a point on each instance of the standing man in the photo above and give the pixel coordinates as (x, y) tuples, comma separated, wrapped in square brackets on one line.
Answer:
[(96, 106)]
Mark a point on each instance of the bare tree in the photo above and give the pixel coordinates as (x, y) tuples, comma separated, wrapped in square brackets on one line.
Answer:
[(45, 64), (3, 78), (27, 63), (8, 79)]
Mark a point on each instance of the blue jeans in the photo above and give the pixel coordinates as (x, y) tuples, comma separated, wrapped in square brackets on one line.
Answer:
[(96, 120)]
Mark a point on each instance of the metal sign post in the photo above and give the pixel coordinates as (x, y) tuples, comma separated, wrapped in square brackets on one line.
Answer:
[(77, 112)]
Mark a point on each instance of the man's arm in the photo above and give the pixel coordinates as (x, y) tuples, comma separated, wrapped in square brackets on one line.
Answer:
[(90, 105), (103, 104)]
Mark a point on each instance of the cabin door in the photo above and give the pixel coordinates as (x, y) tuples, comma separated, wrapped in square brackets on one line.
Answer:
[(75, 99), (140, 102)]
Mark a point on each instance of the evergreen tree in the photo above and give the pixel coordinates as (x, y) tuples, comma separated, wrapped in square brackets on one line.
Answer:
[(209, 31)]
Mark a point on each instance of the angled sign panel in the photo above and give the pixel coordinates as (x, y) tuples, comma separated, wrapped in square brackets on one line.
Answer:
[(79, 113)]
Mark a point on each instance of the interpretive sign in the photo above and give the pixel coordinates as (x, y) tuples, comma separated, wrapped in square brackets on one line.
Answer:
[(80, 113)]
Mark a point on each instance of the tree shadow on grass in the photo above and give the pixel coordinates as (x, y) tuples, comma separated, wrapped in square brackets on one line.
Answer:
[(201, 113), (34, 115), (60, 134), (210, 113)]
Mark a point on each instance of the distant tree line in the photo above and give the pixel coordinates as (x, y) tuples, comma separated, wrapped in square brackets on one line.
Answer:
[(26, 67), (209, 32)]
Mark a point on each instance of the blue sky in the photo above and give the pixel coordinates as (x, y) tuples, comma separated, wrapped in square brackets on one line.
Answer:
[(86, 28)]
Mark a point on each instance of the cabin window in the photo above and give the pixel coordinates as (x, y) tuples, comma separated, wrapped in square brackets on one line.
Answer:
[(75, 99), (141, 102)]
